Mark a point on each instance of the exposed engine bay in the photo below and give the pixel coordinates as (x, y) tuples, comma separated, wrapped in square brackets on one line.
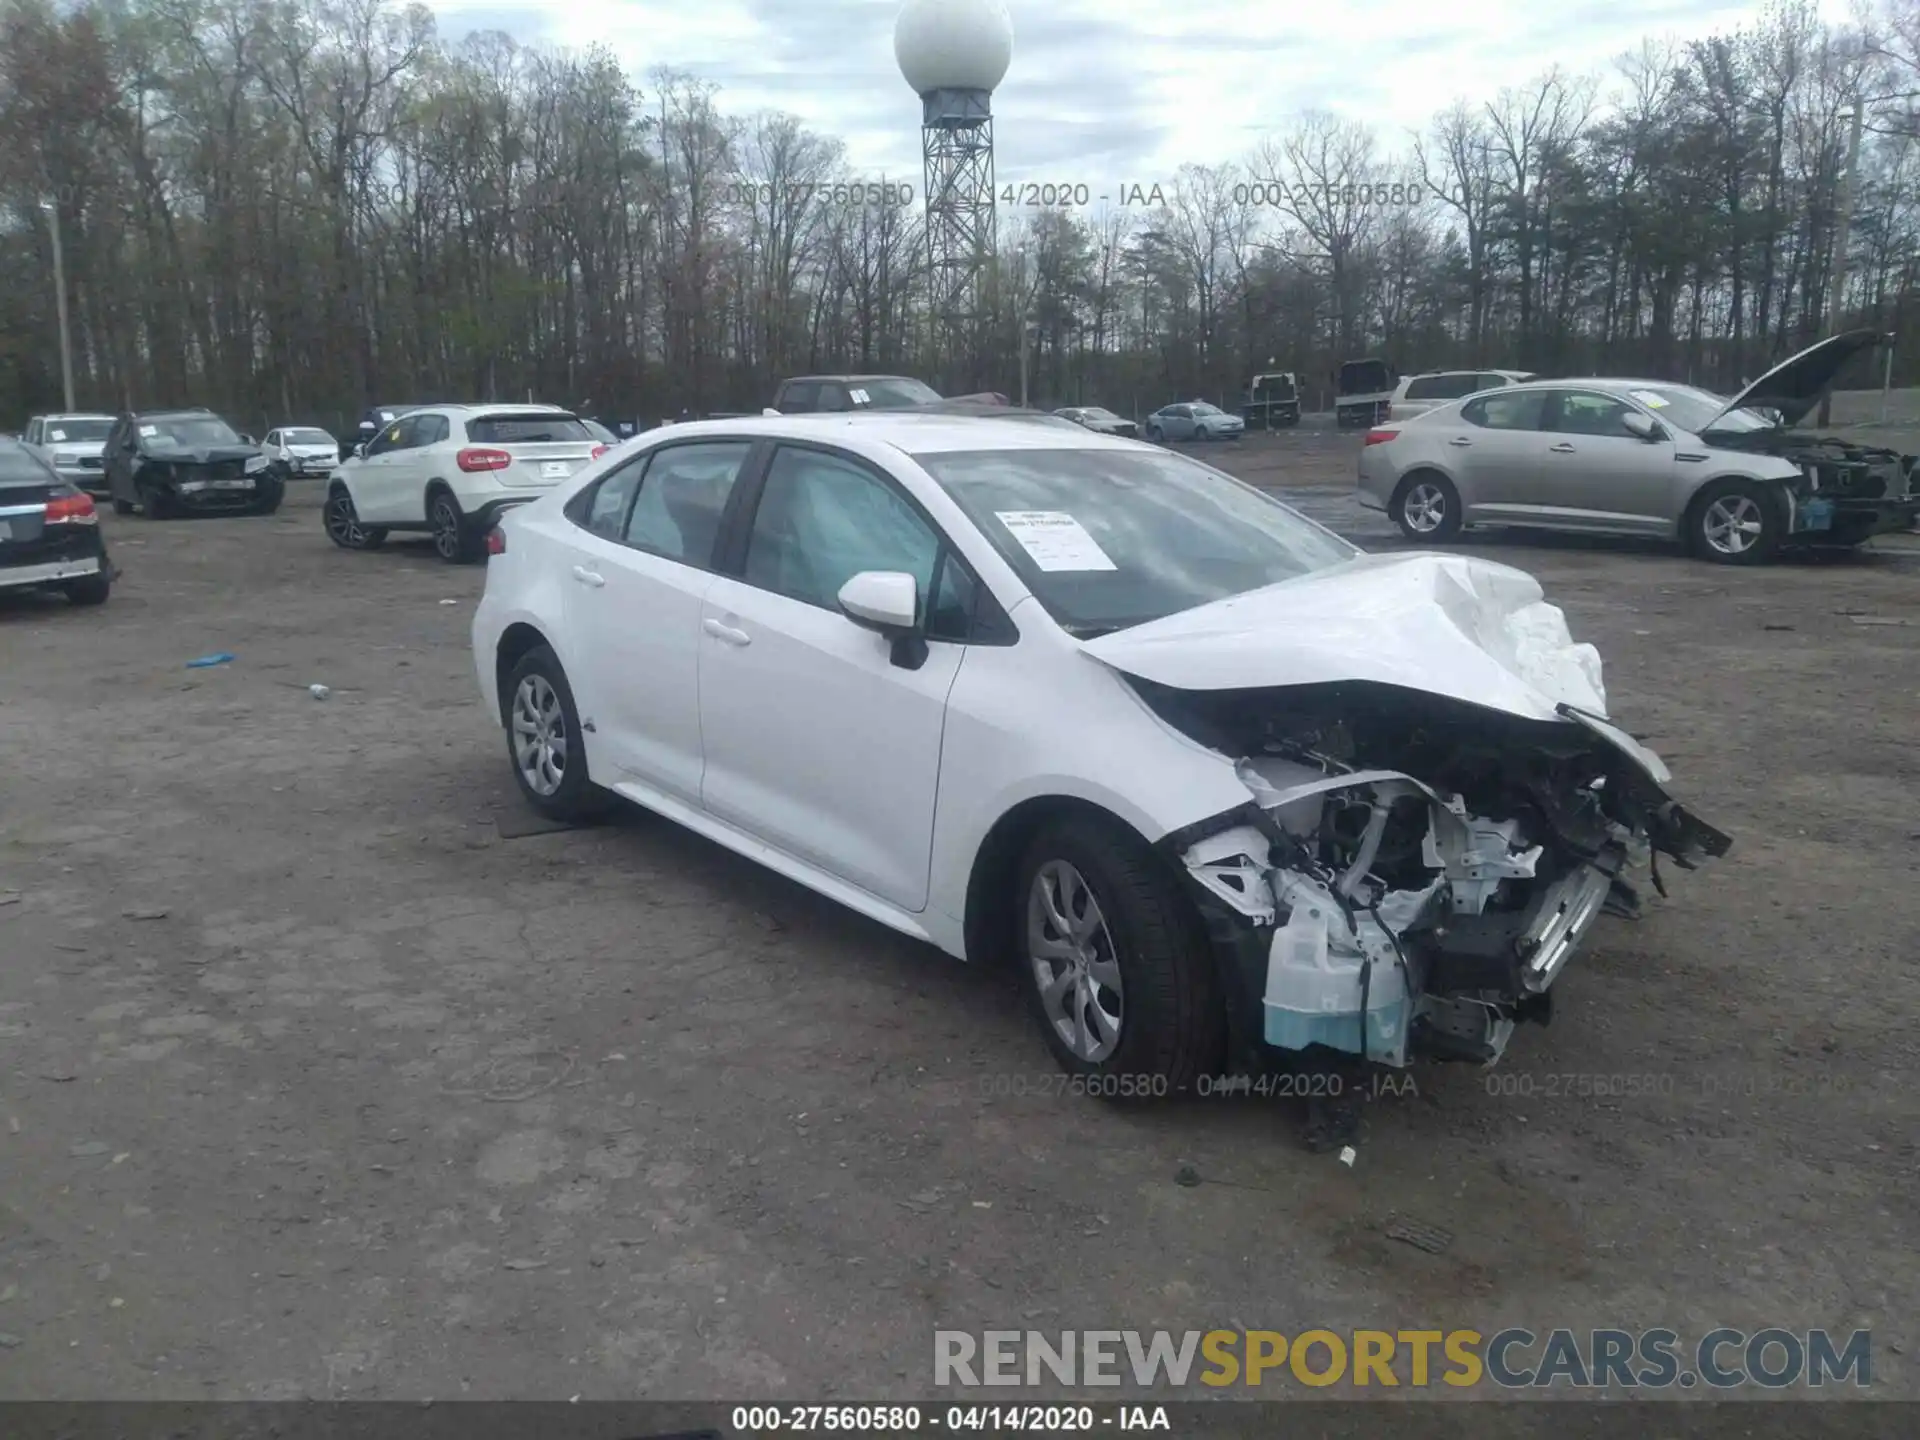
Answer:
[(1840, 479), (1414, 871)]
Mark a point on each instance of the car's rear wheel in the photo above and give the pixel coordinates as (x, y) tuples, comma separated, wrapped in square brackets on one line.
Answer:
[(1116, 971), (454, 540), (544, 740), (1735, 522), (92, 590), (1426, 507), (343, 525), (122, 507)]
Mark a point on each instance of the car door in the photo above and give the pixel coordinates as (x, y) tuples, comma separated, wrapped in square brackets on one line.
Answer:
[(816, 740), (644, 538), (1494, 446), (1599, 475), (379, 488), (422, 458)]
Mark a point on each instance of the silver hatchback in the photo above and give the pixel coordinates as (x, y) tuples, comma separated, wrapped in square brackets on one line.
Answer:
[(1727, 477)]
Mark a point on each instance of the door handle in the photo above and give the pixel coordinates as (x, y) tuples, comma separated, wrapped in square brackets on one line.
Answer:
[(1459, 440), (1563, 448), (587, 577), (726, 632)]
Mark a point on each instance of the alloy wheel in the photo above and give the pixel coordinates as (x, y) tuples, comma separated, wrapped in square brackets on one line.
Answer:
[(343, 522), (1733, 524), (446, 529), (539, 735), (1074, 962), (1425, 508)]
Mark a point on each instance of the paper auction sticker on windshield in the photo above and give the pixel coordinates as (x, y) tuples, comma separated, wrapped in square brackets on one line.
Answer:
[(1055, 540), (149, 431), (1649, 398)]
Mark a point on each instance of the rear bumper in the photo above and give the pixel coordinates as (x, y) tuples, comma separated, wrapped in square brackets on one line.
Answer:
[(73, 555)]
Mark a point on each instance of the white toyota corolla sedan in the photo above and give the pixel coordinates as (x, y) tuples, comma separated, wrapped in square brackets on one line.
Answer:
[(1226, 788)]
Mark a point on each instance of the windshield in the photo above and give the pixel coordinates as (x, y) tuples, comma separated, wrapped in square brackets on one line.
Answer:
[(1694, 410), (187, 432), (305, 437), (1107, 539), (77, 432), (890, 394)]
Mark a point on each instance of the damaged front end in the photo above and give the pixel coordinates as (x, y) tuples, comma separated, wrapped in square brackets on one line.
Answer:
[(1846, 493), (1412, 871)]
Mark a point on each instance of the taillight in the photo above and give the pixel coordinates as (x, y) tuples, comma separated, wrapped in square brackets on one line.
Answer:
[(496, 541), (72, 510), (477, 460), (1380, 437), (598, 451)]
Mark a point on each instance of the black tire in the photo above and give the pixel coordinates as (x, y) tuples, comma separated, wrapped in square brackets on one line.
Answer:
[(1171, 1022), (1426, 507), (93, 590), (454, 538), (122, 507), (1155, 434), (1720, 517), (342, 523), (576, 797), (156, 503), (271, 493)]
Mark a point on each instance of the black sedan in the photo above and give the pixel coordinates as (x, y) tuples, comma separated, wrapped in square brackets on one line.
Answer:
[(49, 531), (164, 462), (1100, 421)]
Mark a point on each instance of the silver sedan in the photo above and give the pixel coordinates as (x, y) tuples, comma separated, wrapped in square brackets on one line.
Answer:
[(1726, 477)]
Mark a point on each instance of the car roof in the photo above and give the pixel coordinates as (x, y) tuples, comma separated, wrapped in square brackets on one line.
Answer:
[(72, 415), (170, 410), (793, 379), (912, 432)]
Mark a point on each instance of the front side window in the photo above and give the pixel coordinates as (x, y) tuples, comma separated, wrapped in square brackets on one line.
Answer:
[(1110, 539), (822, 520), (683, 495), (1582, 412), (1521, 410)]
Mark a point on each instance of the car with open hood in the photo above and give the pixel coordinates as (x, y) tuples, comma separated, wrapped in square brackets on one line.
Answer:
[(1732, 479), (73, 445), (49, 530), (1229, 793), (166, 463)]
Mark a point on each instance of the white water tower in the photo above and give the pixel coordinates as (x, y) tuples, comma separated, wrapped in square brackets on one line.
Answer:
[(953, 53)]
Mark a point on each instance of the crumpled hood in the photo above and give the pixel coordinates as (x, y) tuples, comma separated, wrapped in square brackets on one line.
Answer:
[(1446, 624)]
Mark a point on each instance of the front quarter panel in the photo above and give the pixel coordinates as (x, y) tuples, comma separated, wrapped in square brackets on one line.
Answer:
[(1041, 718)]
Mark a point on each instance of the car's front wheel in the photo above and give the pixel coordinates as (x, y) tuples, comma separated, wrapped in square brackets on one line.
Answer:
[(1426, 507), (271, 492), (343, 525), (1116, 971), (156, 502), (454, 540), (1735, 522), (544, 740)]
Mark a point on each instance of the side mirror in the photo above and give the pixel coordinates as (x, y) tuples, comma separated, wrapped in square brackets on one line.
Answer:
[(888, 601), (360, 451), (1640, 425)]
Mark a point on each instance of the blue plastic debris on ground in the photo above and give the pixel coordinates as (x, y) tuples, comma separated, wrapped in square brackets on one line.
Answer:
[(205, 661)]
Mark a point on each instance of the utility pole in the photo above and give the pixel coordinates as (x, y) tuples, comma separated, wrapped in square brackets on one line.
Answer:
[(52, 207), (1843, 225), (1886, 378)]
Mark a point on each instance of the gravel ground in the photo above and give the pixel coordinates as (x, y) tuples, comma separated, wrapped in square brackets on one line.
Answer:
[(313, 1083)]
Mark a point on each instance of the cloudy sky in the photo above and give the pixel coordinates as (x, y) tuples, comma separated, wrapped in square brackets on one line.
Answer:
[(1115, 93)]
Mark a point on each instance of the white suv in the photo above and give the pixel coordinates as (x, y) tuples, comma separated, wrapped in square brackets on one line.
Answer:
[(1420, 393), (450, 470)]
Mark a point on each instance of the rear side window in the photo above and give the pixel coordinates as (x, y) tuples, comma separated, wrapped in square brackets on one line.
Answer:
[(1492, 382), (1518, 411), (525, 429), (603, 509), (1443, 387), (682, 497), (799, 397)]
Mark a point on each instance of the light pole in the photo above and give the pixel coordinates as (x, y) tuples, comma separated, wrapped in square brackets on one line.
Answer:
[(1023, 299), (52, 207), (1843, 224)]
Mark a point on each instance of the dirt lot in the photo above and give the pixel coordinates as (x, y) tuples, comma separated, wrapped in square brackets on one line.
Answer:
[(313, 1084)]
